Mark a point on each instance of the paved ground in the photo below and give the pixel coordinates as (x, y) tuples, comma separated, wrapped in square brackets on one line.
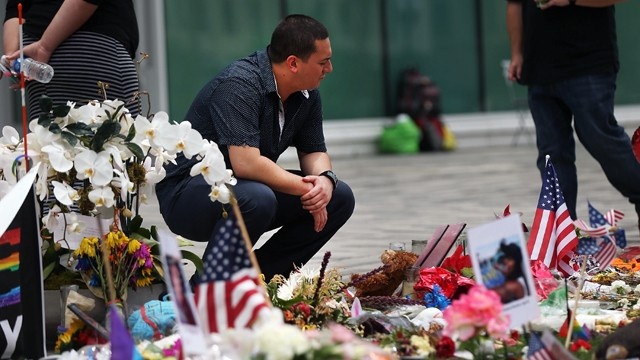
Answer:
[(401, 198)]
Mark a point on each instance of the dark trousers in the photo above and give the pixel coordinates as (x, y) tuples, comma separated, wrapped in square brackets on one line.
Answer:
[(188, 211), (586, 102)]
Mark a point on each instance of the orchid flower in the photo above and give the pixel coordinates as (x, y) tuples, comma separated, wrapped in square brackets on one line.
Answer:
[(181, 138), (220, 193), (102, 196), (58, 156), (65, 193), (152, 129), (94, 166)]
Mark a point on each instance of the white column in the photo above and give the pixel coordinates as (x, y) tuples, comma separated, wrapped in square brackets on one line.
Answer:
[(153, 71)]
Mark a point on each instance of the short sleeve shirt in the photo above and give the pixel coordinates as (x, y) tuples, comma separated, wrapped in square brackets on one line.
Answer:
[(564, 42), (240, 107)]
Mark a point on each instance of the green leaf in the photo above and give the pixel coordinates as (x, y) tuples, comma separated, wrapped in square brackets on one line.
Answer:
[(183, 241), (134, 224), (135, 149), (44, 120), (61, 111), (48, 270), (131, 134), (195, 259), (104, 132), (144, 232), (154, 232), (45, 103), (80, 129), (55, 128), (70, 138)]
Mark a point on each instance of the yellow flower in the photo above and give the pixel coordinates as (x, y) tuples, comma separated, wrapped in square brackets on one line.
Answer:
[(422, 344), (133, 246), (115, 239), (143, 281), (63, 338), (87, 247)]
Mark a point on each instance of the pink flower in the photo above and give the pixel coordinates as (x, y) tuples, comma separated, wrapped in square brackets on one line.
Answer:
[(479, 309)]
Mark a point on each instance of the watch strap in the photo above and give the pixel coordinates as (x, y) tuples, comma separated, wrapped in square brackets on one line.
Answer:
[(331, 175)]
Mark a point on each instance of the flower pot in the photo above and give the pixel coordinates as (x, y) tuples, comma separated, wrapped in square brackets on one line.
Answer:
[(135, 300)]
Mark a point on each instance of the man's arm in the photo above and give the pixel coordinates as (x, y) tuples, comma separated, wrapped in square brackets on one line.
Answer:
[(514, 29), (249, 164)]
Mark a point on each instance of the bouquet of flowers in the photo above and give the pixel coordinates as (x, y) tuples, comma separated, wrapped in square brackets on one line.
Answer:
[(97, 160), (311, 298), (130, 261)]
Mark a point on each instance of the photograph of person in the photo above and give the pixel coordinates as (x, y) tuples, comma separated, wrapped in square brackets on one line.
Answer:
[(504, 274), (179, 294)]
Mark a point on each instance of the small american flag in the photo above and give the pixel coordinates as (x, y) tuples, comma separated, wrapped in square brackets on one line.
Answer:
[(229, 295), (607, 247), (553, 236), (537, 350)]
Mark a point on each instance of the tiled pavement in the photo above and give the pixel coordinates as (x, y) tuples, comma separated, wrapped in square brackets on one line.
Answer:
[(405, 197)]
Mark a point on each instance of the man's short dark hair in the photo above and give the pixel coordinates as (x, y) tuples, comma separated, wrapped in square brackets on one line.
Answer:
[(296, 35)]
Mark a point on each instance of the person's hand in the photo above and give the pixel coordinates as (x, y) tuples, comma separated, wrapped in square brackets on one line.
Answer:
[(35, 50), (315, 200), (320, 219), (545, 4), (319, 196), (515, 68)]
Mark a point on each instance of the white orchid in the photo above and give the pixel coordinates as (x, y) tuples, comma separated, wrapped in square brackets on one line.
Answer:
[(220, 193), (151, 130), (99, 152), (58, 156), (181, 138), (10, 136), (50, 220), (94, 166), (213, 168), (65, 193), (102, 196)]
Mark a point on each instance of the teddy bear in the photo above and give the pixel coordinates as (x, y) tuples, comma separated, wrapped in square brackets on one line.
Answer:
[(620, 344), (385, 280)]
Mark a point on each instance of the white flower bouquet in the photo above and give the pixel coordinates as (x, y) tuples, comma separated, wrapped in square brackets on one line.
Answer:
[(96, 159)]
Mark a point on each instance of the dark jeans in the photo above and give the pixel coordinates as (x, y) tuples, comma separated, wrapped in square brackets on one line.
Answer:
[(188, 211), (588, 100)]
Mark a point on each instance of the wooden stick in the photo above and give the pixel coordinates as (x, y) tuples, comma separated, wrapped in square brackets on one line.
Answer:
[(575, 307), (247, 241)]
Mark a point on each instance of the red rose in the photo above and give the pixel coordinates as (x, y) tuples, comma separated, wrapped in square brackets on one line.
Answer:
[(446, 347), (580, 344), (302, 308)]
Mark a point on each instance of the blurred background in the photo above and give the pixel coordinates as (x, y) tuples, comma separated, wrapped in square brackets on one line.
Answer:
[(458, 44)]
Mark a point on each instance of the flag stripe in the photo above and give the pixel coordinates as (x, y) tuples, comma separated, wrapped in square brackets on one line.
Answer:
[(230, 295), (553, 235)]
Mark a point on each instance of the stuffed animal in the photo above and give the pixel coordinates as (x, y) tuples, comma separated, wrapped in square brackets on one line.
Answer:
[(386, 281), (621, 344)]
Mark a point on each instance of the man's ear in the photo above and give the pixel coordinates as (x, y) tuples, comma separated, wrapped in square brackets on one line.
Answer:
[(292, 63)]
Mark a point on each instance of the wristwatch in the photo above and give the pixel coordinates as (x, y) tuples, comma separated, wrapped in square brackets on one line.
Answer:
[(332, 176)]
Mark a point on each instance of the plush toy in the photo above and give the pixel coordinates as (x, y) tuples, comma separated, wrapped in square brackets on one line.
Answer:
[(387, 280), (621, 344)]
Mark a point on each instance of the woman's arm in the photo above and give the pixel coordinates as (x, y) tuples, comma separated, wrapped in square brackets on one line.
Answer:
[(69, 18)]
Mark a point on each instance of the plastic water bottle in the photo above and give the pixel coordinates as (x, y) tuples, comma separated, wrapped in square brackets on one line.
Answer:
[(34, 70)]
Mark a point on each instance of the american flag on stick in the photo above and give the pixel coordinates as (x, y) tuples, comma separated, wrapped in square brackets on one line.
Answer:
[(230, 294), (607, 251), (553, 236)]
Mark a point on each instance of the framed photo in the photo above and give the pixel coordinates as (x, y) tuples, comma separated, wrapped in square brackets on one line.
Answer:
[(501, 263)]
